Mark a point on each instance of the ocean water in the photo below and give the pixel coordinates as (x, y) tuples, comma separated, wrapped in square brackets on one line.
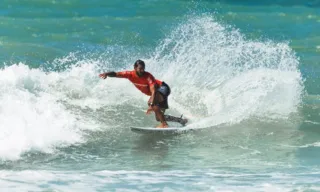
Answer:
[(247, 71)]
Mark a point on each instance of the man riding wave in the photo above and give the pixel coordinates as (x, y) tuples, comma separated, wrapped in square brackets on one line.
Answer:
[(156, 89)]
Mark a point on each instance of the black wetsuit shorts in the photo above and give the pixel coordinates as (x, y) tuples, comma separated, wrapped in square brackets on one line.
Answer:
[(165, 91)]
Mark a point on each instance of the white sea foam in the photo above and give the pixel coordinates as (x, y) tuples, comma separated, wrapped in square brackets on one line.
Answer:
[(32, 113), (219, 76)]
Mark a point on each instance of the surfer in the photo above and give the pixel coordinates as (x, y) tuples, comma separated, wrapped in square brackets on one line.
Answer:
[(156, 89)]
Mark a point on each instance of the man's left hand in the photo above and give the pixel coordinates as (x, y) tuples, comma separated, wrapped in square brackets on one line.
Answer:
[(149, 110)]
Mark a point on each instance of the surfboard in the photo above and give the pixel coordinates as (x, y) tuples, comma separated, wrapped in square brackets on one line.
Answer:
[(170, 130)]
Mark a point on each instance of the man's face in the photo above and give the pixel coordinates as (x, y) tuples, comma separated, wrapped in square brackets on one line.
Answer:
[(139, 70)]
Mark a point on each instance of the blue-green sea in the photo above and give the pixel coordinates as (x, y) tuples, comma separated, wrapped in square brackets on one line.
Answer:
[(246, 72)]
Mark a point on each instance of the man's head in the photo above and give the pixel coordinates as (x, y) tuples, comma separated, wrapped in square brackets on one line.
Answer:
[(139, 67)]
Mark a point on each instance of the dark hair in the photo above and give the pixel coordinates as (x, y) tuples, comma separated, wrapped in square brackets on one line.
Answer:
[(139, 62)]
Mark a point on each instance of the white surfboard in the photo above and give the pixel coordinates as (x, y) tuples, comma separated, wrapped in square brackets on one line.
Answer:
[(169, 130)]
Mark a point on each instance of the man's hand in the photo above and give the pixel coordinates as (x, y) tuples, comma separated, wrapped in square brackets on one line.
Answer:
[(103, 75), (149, 110)]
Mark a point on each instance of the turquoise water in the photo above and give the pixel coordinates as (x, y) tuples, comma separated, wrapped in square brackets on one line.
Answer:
[(247, 71)]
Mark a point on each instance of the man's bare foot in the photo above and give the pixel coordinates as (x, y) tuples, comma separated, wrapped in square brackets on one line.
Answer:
[(162, 125)]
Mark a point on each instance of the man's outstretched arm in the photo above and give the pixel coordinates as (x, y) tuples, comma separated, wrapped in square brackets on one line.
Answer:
[(121, 74), (108, 74)]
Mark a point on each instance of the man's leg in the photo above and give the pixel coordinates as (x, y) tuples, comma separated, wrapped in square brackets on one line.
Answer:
[(176, 119), (160, 117), (158, 113), (173, 118), (159, 99)]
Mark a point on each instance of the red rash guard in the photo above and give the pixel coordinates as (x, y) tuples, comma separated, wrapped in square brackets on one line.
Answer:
[(142, 83)]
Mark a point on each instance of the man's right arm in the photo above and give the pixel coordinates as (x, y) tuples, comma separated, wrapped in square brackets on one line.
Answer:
[(108, 74), (122, 74)]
